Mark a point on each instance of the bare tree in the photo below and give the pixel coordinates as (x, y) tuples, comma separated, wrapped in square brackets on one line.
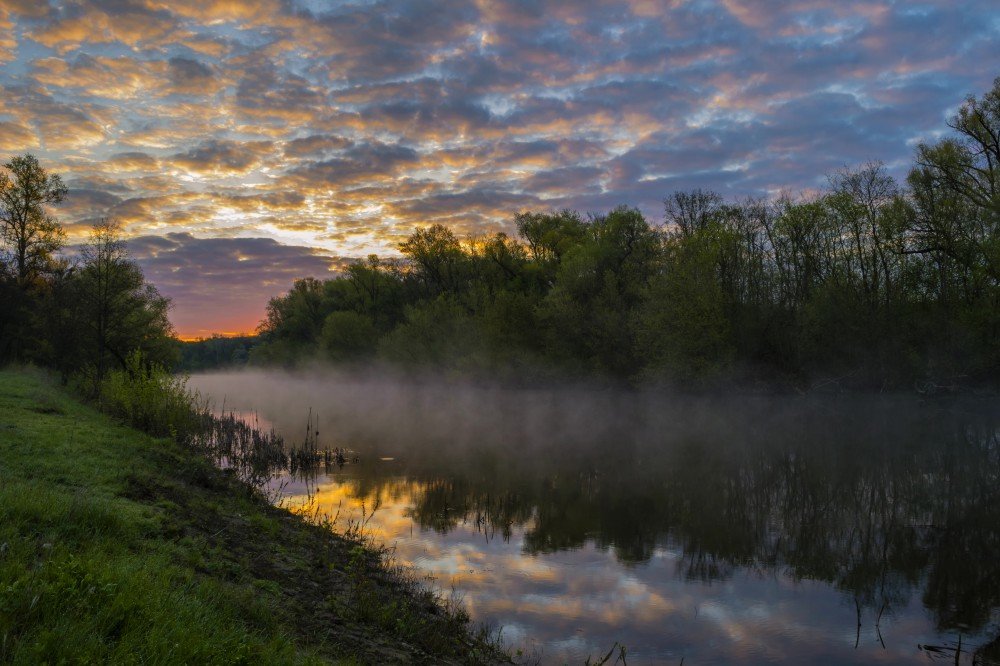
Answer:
[(688, 212)]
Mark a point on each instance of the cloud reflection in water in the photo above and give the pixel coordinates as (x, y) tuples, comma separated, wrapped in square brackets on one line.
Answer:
[(722, 531)]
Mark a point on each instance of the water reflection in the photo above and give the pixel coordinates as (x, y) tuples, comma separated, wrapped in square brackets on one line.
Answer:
[(841, 530)]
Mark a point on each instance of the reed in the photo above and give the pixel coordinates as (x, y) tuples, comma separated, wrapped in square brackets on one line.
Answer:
[(380, 592), (147, 397)]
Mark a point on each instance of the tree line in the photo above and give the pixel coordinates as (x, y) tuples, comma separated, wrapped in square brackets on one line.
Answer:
[(870, 282), (81, 313)]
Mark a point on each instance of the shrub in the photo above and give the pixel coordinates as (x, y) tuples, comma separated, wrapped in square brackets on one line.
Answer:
[(145, 396)]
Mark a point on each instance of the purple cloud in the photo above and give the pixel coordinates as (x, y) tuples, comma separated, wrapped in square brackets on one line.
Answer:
[(340, 127)]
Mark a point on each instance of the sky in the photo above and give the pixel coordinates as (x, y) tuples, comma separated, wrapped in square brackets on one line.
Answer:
[(246, 144)]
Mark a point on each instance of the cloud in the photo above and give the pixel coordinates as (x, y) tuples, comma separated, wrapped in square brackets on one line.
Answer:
[(224, 282), (103, 77), (315, 145), (219, 156), (191, 76), (267, 92), (79, 25), (8, 43), (133, 161), (15, 136), (58, 125), (358, 164), (342, 126), (88, 204)]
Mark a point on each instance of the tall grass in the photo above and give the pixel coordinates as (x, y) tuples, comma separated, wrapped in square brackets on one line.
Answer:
[(252, 454), (147, 397)]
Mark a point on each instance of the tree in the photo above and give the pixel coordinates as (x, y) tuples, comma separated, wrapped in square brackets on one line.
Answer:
[(598, 285), (119, 311), (691, 211), (956, 231), (550, 235), (861, 198), (59, 345), (970, 162), (349, 336), (961, 174), (29, 232), (376, 283), (436, 253), (683, 330), (297, 316)]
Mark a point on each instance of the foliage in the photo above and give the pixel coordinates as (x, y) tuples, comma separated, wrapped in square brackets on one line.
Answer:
[(214, 352), (869, 282), (437, 332), (682, 324), (29, 239), (147, 397), (120, 312), (349, 335), (81, 315)]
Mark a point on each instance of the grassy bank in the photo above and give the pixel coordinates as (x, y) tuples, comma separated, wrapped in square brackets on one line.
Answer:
[(118, 547)]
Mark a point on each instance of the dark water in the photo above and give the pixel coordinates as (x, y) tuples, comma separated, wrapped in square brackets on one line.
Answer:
[(742, 530)]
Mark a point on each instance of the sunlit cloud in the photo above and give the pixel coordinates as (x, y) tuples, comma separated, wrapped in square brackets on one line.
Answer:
[(340, 127)]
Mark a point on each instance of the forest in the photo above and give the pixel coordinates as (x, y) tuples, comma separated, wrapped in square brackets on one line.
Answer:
[(869, 283)]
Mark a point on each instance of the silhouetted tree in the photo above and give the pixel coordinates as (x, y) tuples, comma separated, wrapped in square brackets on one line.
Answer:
[(29, 237), (30, 234), (119, 311)]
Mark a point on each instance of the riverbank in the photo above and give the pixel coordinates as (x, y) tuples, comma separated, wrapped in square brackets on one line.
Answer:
[(118, 547)]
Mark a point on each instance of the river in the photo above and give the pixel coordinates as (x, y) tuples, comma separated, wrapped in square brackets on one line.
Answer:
[(717, 530)]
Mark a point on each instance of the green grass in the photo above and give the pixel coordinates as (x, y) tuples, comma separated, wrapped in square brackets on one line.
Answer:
[(118, 547)]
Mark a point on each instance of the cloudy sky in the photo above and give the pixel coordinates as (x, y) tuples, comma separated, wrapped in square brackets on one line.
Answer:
[(243, 144)]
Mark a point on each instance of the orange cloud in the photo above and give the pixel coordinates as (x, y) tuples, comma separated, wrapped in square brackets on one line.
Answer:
[(341, 127)]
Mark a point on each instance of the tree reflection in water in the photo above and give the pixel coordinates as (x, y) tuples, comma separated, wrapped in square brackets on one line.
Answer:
[(890, 501), (881, 499)]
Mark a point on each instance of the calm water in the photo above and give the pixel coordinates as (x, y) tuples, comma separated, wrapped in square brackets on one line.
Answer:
[(835, 530)]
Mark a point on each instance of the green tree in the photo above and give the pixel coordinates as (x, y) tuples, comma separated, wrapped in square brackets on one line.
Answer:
[(297, 316), (437, 256), (29, 238), (956, 186), (378, 287), (956, 233), (58, 321), (599, 283), (969, 163), (119, 311), (689, 212), (683, 330), (505, 255), (550, 235), (438, 333), (349, 336)]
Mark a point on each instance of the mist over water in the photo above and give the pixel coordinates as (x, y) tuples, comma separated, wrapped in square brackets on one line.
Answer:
[(836, 529)]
